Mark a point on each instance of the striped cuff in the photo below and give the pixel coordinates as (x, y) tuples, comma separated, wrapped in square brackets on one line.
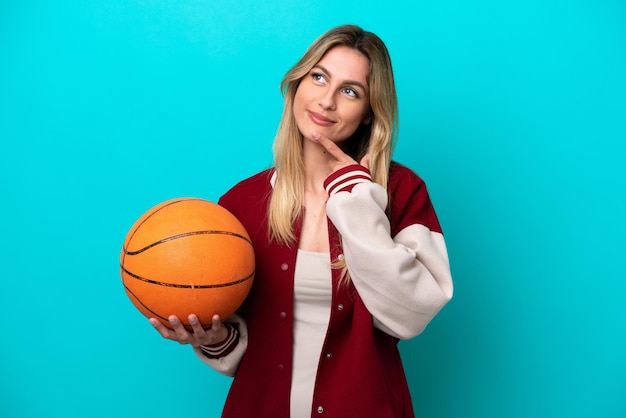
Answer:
[(224, 348), (345, 179)]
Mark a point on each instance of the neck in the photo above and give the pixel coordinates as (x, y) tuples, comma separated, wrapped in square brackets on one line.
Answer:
[(316, 166)]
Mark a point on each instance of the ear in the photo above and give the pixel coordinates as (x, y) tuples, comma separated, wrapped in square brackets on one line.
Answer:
[(368, 118)]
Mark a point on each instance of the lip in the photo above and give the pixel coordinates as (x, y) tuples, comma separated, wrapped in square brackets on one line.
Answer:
[(320, 119)]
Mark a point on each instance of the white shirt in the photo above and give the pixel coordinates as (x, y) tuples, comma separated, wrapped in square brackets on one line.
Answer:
[(311, 313)]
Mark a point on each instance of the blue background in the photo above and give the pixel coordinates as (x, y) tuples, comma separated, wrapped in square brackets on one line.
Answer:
[(513, 112)]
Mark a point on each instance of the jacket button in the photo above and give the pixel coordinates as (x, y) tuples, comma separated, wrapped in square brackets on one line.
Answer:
[(320, 409), (329, 356), (340, 306), (340, 257), (284, 266), (280, 368), (283, 315)]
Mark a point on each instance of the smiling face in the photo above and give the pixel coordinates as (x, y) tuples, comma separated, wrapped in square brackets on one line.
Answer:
[(333, 98)]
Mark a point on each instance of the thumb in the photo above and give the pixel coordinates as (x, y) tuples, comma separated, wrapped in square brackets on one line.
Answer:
[(365, 161)]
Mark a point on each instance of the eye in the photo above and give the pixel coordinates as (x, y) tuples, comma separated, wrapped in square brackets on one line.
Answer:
[(351, 92), (318, 78)]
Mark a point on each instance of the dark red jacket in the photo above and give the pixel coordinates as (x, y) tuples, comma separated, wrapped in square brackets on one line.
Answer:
[(360, 372)]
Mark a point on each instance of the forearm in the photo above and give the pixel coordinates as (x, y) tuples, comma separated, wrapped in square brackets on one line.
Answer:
[(404, 281)]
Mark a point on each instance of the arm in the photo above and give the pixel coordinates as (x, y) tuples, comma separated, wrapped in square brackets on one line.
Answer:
[(221, 347), (405, 280)]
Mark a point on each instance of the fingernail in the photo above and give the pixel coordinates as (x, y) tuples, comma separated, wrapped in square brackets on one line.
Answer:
[(192, 319), (316, 135)]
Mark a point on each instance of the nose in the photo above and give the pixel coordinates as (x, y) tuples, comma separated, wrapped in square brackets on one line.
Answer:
[(327, 100)]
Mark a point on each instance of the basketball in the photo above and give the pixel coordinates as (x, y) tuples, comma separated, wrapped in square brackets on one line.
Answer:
[(187, 256)]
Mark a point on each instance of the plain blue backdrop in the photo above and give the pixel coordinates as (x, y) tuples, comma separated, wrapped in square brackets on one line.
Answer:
[(513, 112)]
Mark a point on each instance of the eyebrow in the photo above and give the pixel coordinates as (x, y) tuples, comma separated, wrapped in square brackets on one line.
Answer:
[(350, 82)]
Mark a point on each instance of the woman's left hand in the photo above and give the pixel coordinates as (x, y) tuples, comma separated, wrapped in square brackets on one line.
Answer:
[(340, 159), (198, 336)]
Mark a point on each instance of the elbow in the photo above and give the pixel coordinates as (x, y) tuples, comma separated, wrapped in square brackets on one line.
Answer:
[(407, 331), (422, 317)]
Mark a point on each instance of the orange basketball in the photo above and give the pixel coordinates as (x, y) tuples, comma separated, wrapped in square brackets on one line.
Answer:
[(187, 256)]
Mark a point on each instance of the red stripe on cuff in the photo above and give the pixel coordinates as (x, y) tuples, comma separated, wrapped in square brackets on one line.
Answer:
[(223, 348), (346, 178)]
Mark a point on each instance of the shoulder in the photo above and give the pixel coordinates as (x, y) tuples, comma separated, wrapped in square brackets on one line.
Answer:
[(253, 189), (409, 202), (402, 177), (252, 185), (248, 201)]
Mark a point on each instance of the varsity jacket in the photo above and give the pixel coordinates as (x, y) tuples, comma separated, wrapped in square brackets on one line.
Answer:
[(400, 276)]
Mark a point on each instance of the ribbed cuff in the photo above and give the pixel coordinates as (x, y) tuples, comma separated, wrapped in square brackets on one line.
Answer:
[(345, 179), (224, 348)]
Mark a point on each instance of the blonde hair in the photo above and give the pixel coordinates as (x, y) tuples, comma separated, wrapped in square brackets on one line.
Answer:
[(376, 138)]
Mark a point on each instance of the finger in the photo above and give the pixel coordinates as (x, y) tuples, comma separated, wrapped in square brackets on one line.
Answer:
[(218, 331), (179, 329), (196, 325), (330, 146), (216, 324), (216, 321), (162, 329)]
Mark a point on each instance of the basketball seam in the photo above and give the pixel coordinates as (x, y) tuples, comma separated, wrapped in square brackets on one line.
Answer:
[(134, 231), (186, 325), (187, 286), (184, 235), (143, 304), (157, 211)]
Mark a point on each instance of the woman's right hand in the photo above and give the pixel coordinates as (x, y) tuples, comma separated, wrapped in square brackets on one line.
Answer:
[(199, 336)]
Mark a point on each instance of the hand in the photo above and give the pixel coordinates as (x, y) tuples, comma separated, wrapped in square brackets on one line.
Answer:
[(340, 159), (199, 336)]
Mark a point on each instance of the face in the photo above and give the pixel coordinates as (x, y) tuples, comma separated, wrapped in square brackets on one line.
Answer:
[(333, 98)]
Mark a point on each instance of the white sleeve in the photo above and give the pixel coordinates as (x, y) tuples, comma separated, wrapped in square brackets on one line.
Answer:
[(403, 281), (228, 364)]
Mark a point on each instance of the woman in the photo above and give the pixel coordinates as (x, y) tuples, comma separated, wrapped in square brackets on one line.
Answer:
[(350, 255)]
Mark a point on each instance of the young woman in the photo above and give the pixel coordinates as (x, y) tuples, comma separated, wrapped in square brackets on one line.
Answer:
[(350, 254)]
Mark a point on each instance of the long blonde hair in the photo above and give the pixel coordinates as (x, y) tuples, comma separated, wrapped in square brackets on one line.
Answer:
[(376, 138)]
